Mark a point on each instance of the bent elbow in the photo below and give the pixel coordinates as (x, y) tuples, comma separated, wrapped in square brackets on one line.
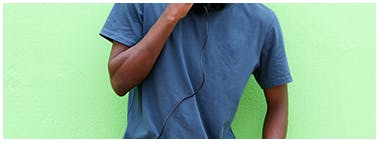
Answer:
[(118, 88)]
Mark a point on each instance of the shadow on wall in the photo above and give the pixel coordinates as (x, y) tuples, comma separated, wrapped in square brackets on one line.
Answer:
[(249, 119)]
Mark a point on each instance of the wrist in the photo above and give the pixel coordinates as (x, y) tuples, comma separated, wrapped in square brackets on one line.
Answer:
[(171, 18)]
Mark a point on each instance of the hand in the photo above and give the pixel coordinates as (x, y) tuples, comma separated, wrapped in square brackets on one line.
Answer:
[(177, 10)]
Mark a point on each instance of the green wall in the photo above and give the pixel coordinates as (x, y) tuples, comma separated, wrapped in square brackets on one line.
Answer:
[(56, 83)]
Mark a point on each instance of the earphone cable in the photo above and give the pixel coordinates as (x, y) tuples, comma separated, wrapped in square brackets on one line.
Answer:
[(202, 73)]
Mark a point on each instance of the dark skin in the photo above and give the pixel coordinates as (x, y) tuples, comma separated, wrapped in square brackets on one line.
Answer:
[(275, 125), (128, 67)]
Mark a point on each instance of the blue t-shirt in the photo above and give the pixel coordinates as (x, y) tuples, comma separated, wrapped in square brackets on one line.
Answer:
[(243, 39)]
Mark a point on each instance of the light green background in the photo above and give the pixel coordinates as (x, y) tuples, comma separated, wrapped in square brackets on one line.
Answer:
[(56, 83)]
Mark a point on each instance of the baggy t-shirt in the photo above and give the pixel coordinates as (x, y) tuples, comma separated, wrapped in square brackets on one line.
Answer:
[(243, 39)]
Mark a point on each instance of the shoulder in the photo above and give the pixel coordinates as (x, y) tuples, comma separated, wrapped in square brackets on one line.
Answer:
[(127, 8), (258, 12)]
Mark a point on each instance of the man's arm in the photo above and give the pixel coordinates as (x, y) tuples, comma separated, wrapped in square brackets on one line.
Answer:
[(275, 125), (129, 66)]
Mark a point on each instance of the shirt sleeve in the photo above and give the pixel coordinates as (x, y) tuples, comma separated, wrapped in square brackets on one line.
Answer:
[(272, 69), (124, 24)]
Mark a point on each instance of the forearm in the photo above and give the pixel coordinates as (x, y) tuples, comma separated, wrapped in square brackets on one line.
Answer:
[(275, 124), (130, 67)]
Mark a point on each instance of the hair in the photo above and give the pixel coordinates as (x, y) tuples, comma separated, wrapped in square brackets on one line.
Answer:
[(199, 7)]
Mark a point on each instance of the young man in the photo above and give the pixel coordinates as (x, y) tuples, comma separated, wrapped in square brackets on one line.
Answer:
[(185, 71)]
